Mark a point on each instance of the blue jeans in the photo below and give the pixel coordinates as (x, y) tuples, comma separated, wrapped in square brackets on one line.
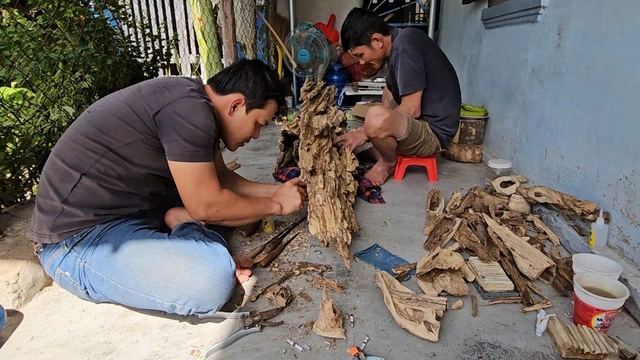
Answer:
[(130, 262)]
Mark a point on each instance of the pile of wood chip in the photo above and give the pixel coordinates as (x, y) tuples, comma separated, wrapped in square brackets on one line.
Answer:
[(497, 230)]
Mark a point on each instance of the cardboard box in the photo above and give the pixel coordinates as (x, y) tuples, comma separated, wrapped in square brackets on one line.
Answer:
[(360, 110)]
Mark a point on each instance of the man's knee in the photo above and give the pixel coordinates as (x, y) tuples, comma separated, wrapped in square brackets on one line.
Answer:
[(378, 121), (213, 283)]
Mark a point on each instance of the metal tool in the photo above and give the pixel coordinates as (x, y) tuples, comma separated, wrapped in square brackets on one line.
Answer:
[(276, 252), (275, 241), (256, 320)]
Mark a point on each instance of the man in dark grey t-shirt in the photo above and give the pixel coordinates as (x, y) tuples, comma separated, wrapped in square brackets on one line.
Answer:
[(420, 110), (105, 191)]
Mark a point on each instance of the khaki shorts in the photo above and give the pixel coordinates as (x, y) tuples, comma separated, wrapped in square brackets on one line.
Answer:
[(418, 139)]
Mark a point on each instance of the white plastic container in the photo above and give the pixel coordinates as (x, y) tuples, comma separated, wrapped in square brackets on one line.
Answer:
[(597, 300), (497, 168), (599, 233), (596, 264)]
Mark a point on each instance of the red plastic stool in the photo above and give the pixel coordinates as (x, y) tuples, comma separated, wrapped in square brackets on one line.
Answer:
[(429, 162)]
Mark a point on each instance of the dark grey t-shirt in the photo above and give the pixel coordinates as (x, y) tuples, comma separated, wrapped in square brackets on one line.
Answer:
[(112, 161), (417, 63)]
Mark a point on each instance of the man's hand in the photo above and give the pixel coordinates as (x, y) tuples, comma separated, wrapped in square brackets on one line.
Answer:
[(352, 139), (290, 196)]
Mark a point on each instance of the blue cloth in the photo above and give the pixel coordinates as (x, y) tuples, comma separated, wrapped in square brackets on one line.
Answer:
[(129, 261), (382, 259)]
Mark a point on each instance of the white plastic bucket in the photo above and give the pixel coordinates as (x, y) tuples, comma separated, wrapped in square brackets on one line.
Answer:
[(596, 264), (591, 308)]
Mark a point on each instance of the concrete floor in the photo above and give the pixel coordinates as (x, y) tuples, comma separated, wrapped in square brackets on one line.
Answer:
[(57, 325)]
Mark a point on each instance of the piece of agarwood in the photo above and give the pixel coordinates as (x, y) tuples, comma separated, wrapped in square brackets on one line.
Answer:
[(506, 260), (466, 203), (538, 292), (577, 342), (457, 305), (427, 287), (580, 342), (300, 268), (442, 233), (328, 283), (463, 153), (509, 300), (454, 247), (548, 276), (488, 204), (568, 346), (250, 229), (521, 179), (490, 275), (416, 313), (474, 306), (443, 270), (542, 227), (518, 204), (538, 306), (555, 253), (233, 165), (305, 296), (326, 170), (626, 352), (589, 340), (435, 208), (562, 286), (329, 323), (450, 281), (280, 296), (401, 268), (468, 240), (440, 259), (403, 275), (476, 221), (580, 230), (505, 185), (542, 195), (530, 261), (612, 346), (469, 275), (454, 202)]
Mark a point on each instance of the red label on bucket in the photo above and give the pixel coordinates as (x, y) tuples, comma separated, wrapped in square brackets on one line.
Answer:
[(590, 316)]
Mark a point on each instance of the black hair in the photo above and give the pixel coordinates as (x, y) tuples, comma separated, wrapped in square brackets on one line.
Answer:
[(255, 80), (359, 26)]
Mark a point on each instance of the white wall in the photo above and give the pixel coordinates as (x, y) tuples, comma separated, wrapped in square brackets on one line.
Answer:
[(319, 10)]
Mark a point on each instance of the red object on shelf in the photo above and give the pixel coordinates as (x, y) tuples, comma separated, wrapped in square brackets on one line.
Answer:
[(356, 70), (429, 162), (327, 29)]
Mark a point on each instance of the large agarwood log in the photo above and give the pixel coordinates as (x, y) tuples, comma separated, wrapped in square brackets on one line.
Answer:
[(326, 170), (463, 153)]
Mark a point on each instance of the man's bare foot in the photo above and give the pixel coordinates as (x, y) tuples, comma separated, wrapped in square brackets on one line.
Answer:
[(370, 154), (379, 173), (177, 215), (243, 268)]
